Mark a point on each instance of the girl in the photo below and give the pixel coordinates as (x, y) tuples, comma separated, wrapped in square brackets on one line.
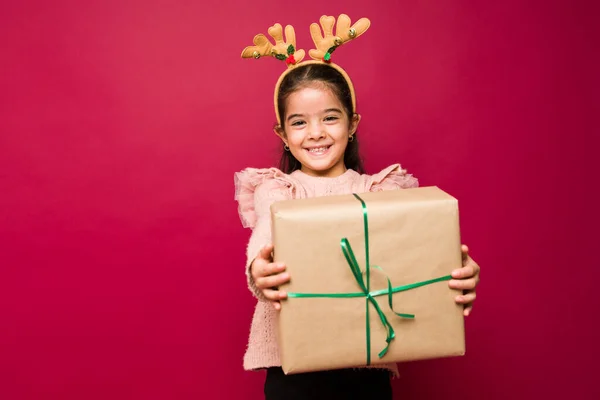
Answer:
[(318, 129)]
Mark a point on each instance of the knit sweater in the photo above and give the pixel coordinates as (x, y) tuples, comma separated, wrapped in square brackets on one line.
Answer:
[(255, 191)]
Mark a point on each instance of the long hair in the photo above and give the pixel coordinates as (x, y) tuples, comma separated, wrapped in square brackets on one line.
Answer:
[(308, 75)]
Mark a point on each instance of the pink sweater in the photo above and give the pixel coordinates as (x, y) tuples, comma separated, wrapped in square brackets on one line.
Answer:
[(255, 191)]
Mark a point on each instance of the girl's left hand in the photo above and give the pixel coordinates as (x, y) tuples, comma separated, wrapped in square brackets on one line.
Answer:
[(467, 279)]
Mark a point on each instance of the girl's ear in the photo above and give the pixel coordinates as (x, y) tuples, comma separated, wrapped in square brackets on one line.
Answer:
[(281, 133), (354, 124)]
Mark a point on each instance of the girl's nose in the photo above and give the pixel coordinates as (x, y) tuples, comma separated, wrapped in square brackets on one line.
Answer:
[(316, 131)]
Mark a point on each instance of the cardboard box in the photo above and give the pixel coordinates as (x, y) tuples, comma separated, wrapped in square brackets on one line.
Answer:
[(413, 236)]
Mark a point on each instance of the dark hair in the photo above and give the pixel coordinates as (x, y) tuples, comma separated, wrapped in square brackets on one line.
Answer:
[(308, 75)]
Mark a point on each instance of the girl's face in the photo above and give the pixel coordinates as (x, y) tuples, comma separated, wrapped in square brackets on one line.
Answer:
[(316, 129)]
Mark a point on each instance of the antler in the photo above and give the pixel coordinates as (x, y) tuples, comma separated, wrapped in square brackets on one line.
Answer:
[(327, 43), (282, 50)]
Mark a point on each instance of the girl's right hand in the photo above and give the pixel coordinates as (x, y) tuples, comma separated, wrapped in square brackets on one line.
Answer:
[(268, 276)]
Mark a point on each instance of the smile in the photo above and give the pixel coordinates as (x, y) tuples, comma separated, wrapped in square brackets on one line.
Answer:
[(318, 151)]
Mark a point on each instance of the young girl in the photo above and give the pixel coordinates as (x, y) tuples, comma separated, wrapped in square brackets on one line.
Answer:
[(317, 124)]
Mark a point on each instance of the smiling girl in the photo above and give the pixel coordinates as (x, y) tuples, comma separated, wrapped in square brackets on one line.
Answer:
[(317, 125)]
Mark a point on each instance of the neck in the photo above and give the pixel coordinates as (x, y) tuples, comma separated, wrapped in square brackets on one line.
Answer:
[(333, 172)]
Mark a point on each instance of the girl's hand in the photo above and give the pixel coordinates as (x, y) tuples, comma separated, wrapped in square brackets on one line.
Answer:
[(268, 276), (467, 279)]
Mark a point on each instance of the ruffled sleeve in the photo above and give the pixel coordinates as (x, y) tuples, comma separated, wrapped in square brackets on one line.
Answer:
[(255, 191), (392, 178)]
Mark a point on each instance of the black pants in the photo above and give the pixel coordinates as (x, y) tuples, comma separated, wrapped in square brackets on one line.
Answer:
[(346, 384)]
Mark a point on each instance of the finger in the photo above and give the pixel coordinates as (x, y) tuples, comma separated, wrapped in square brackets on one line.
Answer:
[(271, 269), (463, 284), (274, 294), (266, 252), (260, 269), (467, 271), (467, 298), (272, 281), (472, 266), (468, 310), (263, 269), (465, 251)]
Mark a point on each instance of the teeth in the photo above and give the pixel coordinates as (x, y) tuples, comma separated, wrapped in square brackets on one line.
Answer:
[(318, 149)]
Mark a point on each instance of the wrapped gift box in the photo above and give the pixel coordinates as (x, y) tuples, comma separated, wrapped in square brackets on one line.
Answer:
[(411, 237)]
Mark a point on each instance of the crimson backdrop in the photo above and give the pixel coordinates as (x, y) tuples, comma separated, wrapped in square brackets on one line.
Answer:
[(122, 123)]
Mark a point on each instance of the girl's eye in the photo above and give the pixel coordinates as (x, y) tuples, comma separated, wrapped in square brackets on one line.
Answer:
[(297, 123), (331, 118)]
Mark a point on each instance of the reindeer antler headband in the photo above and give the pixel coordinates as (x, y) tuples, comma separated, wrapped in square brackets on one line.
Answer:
[(326, 43)]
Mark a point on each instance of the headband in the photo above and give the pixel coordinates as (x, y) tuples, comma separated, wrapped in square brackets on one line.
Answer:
[(325, 42)]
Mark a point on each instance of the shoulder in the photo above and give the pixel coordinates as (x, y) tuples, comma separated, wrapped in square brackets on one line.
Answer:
[(257, 188), (391, 178)]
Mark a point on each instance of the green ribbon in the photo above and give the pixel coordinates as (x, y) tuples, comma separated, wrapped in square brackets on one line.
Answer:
[(365, 287)]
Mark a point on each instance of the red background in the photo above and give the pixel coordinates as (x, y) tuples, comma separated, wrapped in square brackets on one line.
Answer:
[(123, 122)]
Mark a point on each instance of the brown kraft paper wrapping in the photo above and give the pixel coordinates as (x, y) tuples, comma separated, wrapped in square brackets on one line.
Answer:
[(414, 236)]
